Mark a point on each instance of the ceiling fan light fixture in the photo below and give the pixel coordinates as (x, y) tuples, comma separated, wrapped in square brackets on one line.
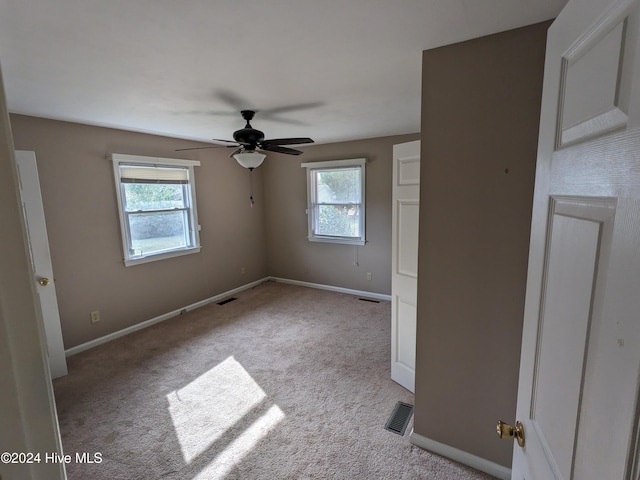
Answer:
[(250, 159)]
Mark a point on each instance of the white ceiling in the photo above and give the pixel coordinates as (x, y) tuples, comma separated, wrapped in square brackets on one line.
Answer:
[(337, 70)]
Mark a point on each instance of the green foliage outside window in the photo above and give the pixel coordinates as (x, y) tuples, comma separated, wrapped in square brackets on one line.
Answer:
[(338, 191), (336, 220), (153, 196), (146, 197), (344, 183)]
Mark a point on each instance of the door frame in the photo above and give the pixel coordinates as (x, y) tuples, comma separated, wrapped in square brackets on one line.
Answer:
[(27, 391)]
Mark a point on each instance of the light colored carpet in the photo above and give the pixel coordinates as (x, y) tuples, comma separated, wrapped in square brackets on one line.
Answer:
[(286, 382)]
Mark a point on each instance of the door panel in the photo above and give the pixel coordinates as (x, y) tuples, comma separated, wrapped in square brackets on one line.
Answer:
[(573, 252), (407, 214), (41, 260), (404, 263), (590, 91), (406, 328)]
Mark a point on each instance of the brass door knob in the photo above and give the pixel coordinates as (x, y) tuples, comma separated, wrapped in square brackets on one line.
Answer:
[(507, 431), (44, 281)]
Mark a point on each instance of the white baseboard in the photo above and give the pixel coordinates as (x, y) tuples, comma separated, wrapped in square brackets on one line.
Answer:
[(147, 323), (358, 293), (461, 456)]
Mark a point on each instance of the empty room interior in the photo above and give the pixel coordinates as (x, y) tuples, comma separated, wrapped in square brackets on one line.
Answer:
[(258, 232)]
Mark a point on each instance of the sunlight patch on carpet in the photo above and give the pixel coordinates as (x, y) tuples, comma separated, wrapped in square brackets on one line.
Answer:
[(241, 446), (203, 410)]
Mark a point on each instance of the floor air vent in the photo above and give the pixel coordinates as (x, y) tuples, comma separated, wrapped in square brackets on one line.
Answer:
[(227, 300), (369, 300), (400, 417)]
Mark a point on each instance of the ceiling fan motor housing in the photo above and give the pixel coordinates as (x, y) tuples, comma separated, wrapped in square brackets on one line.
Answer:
[(249, 137)]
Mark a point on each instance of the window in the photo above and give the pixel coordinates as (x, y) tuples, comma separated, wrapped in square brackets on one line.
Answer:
[(335, 201), (157, 204)]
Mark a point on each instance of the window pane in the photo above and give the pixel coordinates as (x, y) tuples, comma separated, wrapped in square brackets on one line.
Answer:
[(146, 196), (338, 186), (338, 220), (154, 232)]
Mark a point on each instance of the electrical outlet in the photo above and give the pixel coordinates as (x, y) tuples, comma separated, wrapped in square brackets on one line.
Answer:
[(95, 316), (243, 270), (369, 276)]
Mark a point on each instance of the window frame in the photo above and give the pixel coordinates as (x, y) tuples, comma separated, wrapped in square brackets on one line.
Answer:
[(189, 192), (312, 205)]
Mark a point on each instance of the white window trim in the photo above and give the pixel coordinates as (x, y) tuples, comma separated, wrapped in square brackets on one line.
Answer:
[(119, 158), (311, 166)]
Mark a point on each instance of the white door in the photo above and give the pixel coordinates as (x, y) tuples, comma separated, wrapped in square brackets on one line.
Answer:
[(579, 369), (41, 259), (404, 263)]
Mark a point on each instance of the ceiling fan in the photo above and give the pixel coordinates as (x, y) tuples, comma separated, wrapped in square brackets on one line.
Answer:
[(248, 140)]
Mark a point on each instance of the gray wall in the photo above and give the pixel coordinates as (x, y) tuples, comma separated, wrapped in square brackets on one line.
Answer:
[(269, 239), (291, 255), (480, 115), (84, 232)]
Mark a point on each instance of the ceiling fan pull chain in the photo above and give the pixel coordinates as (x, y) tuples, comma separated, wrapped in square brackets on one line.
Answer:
[(251, 187)]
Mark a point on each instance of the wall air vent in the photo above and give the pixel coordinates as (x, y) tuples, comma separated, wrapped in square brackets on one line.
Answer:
[(400, 417), (369, 300), (227, 300)]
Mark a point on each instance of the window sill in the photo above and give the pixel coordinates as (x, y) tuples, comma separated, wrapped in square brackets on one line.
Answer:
[(342, 240), (129, 262)]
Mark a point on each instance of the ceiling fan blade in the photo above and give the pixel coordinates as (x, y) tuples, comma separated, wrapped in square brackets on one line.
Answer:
[(225, 113), (234, 152), (232, 99), (238, 103), (234, 142), (287, 141), (197, 148), (289, 108), (275, 148)]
